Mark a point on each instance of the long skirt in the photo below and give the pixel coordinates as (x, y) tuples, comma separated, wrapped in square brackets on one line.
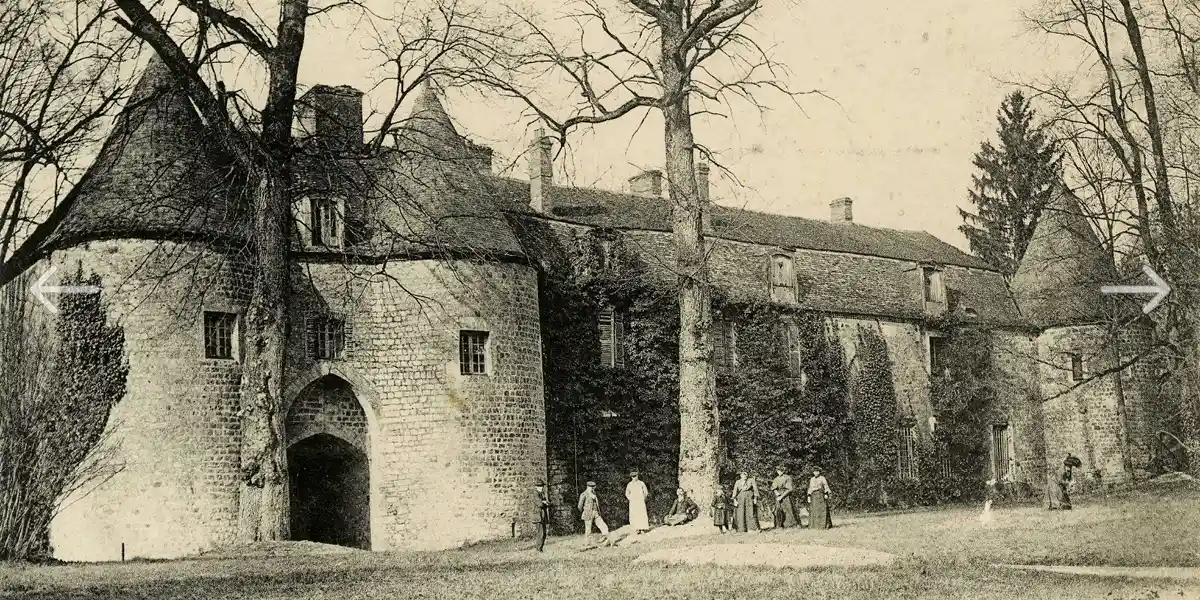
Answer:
[(745, 517), (1057, 497), (818, 512), (721, 517), (785, 513)]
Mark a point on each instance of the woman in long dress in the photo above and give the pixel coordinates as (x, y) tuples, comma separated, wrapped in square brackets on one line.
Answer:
[(745, 503), (637, 493), (721, 513), (818, 502)]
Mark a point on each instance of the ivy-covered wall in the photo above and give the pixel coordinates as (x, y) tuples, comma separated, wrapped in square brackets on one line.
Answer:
[(809, 389)]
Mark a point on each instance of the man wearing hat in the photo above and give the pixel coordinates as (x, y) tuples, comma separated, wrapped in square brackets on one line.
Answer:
[(543, 522), (589, 508)]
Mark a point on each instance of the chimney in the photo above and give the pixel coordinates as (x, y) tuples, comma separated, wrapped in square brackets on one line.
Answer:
[(702, 190), (480, 157), (647, 183), (840, 210), (330, 116), (541, 171)]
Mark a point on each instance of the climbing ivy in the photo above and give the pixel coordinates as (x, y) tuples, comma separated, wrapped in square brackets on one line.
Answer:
[(874, 419), (962, 395)]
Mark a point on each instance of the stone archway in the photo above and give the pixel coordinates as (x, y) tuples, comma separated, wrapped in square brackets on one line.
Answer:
[(329, 465)]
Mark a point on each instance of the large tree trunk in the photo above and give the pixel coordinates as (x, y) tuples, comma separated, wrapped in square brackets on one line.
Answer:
[(264, 495), (699, 424)]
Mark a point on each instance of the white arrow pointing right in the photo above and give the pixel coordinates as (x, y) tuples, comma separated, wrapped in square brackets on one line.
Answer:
[(1160, 289)]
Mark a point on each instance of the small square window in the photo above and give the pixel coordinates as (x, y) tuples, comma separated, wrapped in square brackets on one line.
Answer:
[(472, 352), (1076, 366), (220, 330), (326, 337)]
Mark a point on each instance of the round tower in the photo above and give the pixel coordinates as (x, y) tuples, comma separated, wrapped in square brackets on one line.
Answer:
[(1086, 410)]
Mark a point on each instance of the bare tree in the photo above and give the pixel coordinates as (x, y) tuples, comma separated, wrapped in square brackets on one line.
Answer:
[(60, 80), (681, 58)]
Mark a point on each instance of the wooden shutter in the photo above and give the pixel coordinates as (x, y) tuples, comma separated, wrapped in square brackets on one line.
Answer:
[(310, 337), (618, 341), (605, 324)]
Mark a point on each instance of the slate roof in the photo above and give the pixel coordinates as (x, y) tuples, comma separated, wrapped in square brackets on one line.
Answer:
[(155, 176), (1059, 278)]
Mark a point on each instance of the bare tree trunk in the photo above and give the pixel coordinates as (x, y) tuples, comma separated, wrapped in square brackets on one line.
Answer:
[(264, 501), (699, 425)]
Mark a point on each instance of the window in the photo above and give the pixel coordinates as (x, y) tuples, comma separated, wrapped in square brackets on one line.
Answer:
[(326, 222), (945, 460), (472, 352), (932, 282), (1076, 366), (783, 279), (1002, 452), (937, 355), (612, 338), (724, 341), (795, 348), (906, 464), (219, 333), (325, 337)]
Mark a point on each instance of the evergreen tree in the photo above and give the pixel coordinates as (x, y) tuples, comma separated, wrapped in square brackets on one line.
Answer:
[(1013, 184)]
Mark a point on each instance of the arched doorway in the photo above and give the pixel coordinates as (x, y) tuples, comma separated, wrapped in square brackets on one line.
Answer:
[(330, 492), (328, 465)]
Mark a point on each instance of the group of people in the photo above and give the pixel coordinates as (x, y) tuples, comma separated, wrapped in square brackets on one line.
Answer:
[(736, 512), (739, 511)]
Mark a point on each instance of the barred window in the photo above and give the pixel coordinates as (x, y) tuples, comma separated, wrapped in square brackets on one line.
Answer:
[(907, 442), (472, 352), (220, 329), (326, 337), (611, 324), (1002, 452)]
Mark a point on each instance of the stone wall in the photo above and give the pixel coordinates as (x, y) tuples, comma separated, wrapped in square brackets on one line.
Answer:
[(1018, 405), (453, 457), (907, 353), (175, 435), (1083, 418)]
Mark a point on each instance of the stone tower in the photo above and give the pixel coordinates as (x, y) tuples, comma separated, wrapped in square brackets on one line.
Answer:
[(1090, 408), (415, 408)]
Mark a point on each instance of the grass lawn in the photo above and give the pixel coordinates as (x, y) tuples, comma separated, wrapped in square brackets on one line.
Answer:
[(945, 554)]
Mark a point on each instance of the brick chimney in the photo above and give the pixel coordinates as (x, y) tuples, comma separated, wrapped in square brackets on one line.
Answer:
[(702, 190), (330, 116), (647, 183), (840, 210), (541, 171)]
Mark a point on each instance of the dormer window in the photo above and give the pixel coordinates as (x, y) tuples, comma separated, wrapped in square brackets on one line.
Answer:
[(327, 215), (931, 279), (783, 279)]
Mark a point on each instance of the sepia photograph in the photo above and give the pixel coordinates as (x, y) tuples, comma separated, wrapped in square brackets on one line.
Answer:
[(638, 299)]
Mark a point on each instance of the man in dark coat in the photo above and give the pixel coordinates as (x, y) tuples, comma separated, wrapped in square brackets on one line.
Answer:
[(543, 519)]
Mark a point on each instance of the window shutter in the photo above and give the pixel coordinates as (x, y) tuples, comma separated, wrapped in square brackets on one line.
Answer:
[(618, 343), (339, 223), (310, 337), (303, 216), (605, 323)]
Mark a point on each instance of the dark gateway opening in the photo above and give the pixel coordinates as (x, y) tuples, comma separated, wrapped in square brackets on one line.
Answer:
[(330, 490)]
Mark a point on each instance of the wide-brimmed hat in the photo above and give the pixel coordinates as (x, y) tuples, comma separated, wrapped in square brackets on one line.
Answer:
[(591, 484), (633, 473), (540, 482)]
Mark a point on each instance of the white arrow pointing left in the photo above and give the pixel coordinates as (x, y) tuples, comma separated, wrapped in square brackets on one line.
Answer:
[(40, 289)]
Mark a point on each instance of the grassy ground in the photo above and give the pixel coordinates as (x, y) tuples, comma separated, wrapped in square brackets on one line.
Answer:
[(944, 554)]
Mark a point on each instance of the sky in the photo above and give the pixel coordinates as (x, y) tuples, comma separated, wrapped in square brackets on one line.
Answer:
[(913, 87)]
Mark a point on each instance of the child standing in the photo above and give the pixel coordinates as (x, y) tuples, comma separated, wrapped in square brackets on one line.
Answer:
[(721, 512)]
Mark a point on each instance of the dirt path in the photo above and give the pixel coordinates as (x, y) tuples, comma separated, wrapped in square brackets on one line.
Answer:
[(1175, 573), (794, 556)]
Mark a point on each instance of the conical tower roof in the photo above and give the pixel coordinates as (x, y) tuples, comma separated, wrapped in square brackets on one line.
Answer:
[(1058, 281), (156, 176), (429, 130)]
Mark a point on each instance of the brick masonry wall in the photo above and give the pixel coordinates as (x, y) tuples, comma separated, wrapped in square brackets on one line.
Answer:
[(328, 405), (1018, 405), (453, 457), (175, 435), (1085, 420)]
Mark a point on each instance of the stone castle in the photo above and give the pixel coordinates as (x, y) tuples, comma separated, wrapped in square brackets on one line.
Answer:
[(416, 404)]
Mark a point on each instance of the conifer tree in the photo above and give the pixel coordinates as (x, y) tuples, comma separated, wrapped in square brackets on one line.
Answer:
[(1013, 183)]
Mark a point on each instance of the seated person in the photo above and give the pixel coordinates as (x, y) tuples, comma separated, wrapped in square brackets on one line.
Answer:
[(682, 511)]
